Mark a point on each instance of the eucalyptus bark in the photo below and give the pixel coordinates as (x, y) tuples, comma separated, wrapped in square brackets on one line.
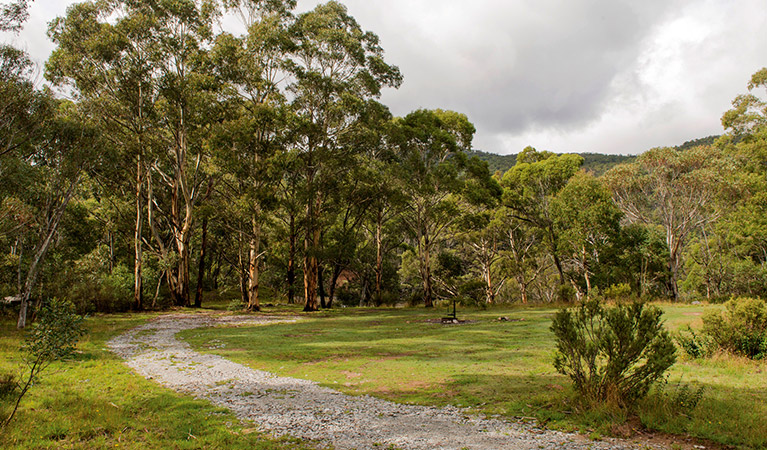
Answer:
[(253, 267), (379, 258), (52, 225), (138, 289), (291, 275), (201, 266)]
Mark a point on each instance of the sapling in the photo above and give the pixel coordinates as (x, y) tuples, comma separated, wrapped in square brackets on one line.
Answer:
[(52, 338)]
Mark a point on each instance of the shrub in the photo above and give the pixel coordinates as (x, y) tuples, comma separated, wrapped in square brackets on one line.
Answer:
[(8, 385), (612, 354), (694, 344), (618, 291), (472, 294), (52, 338), (741, 328)]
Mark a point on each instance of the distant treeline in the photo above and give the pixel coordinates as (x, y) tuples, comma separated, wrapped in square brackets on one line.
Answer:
[(592, 162), (595, 163)]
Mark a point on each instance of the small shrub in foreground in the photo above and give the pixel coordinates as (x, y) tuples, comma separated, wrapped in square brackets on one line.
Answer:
[(53, 337), (612, 354), (741, 328)]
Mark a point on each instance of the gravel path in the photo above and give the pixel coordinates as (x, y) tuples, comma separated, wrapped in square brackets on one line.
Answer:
[(303, 409)]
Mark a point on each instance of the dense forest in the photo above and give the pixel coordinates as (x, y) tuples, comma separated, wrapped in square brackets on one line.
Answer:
[(595, 163), (165, 160)]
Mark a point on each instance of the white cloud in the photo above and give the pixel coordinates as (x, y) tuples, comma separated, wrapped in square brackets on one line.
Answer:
[(612, 76)]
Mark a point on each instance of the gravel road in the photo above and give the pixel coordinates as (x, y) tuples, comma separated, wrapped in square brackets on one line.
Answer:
[(303, 409)]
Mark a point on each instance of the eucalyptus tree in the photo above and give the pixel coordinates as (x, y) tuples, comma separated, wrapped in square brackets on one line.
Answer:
[(530, 187), (14, 14), (431, 176), (253, 66), (387, 200), (676, 190), (587, 221), (53, 172), (749, 111), (106, 55), (337, 68), (44, 147), (521, 252), (479, 234)]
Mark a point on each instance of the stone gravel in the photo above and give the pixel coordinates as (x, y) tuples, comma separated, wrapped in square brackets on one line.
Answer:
[(305, 410)]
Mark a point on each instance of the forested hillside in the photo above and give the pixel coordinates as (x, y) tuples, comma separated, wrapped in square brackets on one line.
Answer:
[(595, 163), (186, 160)]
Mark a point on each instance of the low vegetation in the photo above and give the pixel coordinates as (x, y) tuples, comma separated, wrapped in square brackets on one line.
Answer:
[(94, 401), (498, 367), (615, 354)]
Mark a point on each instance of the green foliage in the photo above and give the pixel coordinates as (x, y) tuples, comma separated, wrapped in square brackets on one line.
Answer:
[(618, 291), (693, 344), (678, 399), (594, 163), (472, 293), (54, 335), (741, 328), (612, 354), (8, 385), (52, 338)]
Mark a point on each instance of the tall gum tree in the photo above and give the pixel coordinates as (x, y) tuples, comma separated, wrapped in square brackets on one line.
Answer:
[(254, 68), (530, 187), (587, 221), (431, 174), (105, 55), (337, 67), (673, 189), (187, 106)]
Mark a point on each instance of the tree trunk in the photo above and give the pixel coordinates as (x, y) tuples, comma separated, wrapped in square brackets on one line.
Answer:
[(291, 261), (428, 295), (555, 255), (379, 258), (311, 264), (321, 285), (243, 274), (673, 282), (311, 243), (523, 288), (201, 265), (138, 287), (310, 281), (333, 281), (42, 248), (253, 269), (489, 289)]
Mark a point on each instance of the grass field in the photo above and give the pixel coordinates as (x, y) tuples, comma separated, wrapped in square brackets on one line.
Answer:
[(96, 402), (497, 367)]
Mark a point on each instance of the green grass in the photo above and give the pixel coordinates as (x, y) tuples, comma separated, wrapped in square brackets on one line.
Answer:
[(96, 402), (496, 367)]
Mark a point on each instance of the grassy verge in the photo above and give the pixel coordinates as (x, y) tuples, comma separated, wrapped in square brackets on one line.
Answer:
[(498, 367), (96, 402)]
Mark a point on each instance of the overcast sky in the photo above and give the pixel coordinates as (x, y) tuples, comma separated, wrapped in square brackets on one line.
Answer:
[(604, 76)]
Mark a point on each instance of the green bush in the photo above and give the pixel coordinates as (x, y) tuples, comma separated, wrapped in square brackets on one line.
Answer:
[(8, 385), (52, 338), (618, 291), (612, 354), (694, 344), (741, 328)]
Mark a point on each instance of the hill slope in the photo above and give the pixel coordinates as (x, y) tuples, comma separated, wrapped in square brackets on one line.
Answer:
[(595, 163), (592, 162)]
